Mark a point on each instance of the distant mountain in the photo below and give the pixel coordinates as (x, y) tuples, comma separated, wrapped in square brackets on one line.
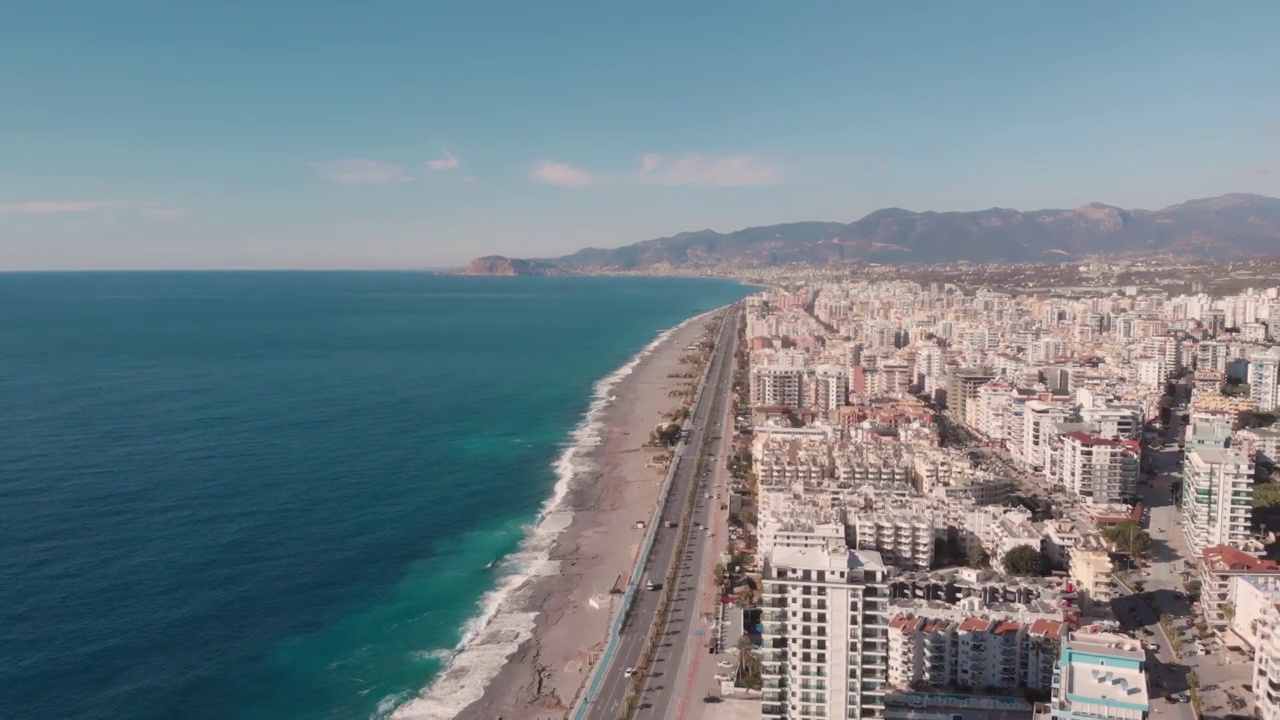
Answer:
[(499, 265), (1223, 228)]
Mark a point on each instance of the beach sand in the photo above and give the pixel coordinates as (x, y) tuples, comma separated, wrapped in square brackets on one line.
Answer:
[(546, 675)]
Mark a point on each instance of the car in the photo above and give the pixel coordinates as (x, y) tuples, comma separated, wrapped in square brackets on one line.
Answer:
[(628, 672), (712, 699)]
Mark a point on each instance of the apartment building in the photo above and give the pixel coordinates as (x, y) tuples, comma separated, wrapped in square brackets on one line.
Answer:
[(771, 385), (963, 388), (904, 536), (1253, 598), (1092, 573), (1038, 418), (999, 651), (1101, 676), (1217, 498), (1266, 665), (1115, 422), (1097, 470), (1264, 378), (1219, 567), (825, 618), (831, 385), (1263, 444)]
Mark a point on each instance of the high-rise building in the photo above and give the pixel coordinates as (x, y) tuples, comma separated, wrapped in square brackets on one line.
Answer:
[(777, 386), (832, 386), (1264, 378), (1217, 497), (825, 624), (1098, 470)]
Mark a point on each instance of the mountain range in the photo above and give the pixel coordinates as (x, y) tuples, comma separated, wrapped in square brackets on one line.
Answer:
[(1229, 227)]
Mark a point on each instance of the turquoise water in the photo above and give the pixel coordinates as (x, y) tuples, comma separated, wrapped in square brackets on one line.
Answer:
[(276, 495)]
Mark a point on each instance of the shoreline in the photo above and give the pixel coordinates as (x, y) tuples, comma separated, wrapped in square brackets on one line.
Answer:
[(518, 656)]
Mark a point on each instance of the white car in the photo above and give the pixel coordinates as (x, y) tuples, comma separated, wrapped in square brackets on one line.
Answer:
[(629, 672)]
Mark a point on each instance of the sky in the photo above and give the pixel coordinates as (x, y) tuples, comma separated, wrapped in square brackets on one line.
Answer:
[(316, 134)]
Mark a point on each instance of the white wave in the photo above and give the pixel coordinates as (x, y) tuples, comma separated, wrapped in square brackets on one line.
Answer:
[(503, 624)]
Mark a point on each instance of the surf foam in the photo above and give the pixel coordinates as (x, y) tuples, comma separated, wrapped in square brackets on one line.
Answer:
[(503, 624)]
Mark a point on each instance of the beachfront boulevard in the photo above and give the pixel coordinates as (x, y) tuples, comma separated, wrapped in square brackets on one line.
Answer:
[(705, 429)]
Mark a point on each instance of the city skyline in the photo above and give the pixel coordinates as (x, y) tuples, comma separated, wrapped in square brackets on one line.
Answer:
[(402, 136)]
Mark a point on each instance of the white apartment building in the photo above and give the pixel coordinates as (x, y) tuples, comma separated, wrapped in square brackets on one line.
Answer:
[(796, 530), (1001, 650), (1266, 665), (825, 618), (1253, 598), (1038, 419), (1097, 470), (1152, 373), (772, 385), (1264, 378), (1117, 422), (1263, 443), (904, 536), (1220, 568), (831, 385), (1217, 498)]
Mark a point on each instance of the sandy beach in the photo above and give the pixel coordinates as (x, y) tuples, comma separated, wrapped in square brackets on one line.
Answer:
[(574, 607)]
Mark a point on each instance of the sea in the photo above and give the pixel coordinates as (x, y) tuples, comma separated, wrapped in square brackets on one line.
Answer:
[(285, 495)]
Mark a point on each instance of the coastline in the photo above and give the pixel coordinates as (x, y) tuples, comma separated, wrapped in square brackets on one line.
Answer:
[(530, 650)]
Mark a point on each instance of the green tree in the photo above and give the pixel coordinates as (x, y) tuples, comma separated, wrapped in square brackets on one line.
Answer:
[(1193, 680), (978, 557), (1266, 495), (718, 574), (1128, 537), (1023, 560)]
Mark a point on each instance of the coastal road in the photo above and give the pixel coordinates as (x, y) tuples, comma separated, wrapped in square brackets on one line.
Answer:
[(667, 689), (609, 702)]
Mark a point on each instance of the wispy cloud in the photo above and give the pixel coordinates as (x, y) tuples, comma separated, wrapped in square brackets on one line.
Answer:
[(1258, 170), (554, 173), (80, 207), (706, 171), (165, 213), (446, 162), (1274, 127), (360, 171), (690, 170), (60, 207)]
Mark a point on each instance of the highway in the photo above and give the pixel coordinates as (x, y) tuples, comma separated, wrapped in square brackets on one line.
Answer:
[(666, 687), (704, 425)]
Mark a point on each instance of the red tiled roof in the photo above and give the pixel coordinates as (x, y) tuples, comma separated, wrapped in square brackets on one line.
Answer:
[(974, 624), (1006, 627), (1088, 440), (1224, 558), (1046, 628)]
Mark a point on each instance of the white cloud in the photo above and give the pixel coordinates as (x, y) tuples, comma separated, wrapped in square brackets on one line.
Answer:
[(447, 162), (55, 207), (165, 213), (706, 171), (691, 170), (554, 173), (74, 207), (360, 171)]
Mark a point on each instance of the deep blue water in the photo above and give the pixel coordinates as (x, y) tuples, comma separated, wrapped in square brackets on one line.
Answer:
[(274, 495)]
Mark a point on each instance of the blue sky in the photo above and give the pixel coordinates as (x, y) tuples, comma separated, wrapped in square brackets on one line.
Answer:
[(417, 134)]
